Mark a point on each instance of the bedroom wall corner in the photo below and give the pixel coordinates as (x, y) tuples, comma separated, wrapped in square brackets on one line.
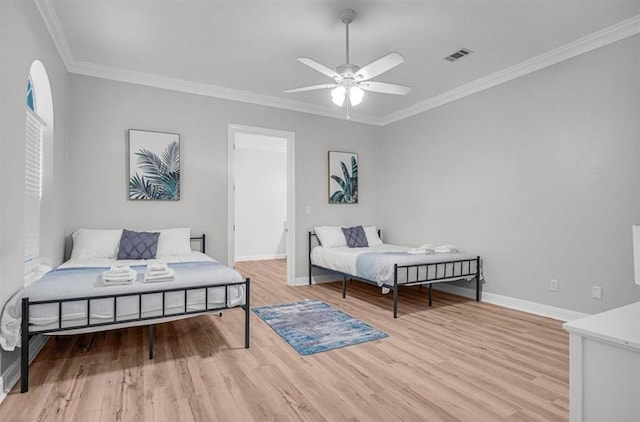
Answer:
[(23, 39), (540, 176)]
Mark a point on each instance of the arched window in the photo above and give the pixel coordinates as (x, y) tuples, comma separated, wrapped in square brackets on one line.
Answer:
[(31, 96), (36, 123)]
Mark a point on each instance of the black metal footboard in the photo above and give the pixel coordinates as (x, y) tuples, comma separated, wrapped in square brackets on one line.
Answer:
[(416, 275), (27, 331)]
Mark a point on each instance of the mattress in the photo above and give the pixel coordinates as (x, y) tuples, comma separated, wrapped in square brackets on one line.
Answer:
[(376, 264), (82, 278)]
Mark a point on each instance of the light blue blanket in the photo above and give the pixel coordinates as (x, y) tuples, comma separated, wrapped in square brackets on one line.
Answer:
[(87, 281), (379, 266), (68, 283)]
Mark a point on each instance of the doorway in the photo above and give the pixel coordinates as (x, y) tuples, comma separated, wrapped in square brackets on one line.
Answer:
[(261, 196)]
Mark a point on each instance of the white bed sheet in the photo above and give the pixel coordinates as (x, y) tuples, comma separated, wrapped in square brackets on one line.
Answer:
[(194, 256), (45, 317), (344, 260)]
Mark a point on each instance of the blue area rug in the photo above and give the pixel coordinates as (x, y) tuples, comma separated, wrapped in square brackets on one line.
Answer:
[(313, 326)]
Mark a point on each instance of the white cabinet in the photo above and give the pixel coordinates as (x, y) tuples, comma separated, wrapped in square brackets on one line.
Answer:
[(604, 366)]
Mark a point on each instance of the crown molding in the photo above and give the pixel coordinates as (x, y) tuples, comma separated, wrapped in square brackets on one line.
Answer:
[(51, 21), (181, 85), (606, 36)]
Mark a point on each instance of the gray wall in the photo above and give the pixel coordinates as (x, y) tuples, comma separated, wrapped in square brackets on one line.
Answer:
[(102, 111), (540, 176), (23, 39)]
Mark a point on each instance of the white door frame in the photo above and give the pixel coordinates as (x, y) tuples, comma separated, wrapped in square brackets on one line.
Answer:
[(232, 130)]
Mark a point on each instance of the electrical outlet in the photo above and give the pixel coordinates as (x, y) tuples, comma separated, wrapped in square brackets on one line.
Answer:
[(554, 285), (596, 292)]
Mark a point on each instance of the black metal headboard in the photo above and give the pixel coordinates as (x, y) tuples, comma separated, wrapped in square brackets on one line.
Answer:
[(312, 234), (203, 242)]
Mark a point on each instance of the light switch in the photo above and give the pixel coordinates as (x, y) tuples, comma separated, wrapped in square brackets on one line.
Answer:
[(308, 209)]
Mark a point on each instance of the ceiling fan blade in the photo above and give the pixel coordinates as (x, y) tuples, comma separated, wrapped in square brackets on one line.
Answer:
[(385, 88), (379, 66), (311, 88), (319, 67)]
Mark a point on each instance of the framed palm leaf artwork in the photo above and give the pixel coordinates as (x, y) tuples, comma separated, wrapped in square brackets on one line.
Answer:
[(154, 165), (343, 177)]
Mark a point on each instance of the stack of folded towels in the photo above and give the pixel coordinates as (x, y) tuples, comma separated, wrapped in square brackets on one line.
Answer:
[(429, 248), (423, 249), (446, 249), (116, 276), (159, 271)]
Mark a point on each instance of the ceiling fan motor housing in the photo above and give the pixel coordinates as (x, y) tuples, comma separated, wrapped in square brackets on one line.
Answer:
[(347, 70)]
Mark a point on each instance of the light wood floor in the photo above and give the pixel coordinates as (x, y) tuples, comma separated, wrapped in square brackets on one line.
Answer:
[(457, 361)]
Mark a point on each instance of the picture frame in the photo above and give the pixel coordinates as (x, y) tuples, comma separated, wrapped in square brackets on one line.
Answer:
[(343, 177), (154, 165)]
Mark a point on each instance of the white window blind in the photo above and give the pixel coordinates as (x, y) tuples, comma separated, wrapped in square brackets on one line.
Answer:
[(32, 191)]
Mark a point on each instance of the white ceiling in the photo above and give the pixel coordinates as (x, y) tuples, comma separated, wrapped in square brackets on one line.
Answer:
[(252, 45)]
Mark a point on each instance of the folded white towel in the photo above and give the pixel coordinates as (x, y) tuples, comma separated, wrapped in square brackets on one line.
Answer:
[(428, 246), (118, 282), (446, 249), (108, 275), (168, 276), (157, 266), (124, 269), (118, 278), (157, 272), (417, 251)]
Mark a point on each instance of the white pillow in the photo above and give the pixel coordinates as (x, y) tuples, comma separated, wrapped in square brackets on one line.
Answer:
[(330, 236), (174, 241), (372, 236), (93, 243)]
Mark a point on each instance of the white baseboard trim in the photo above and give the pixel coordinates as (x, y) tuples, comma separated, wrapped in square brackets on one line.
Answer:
[(316, 279), (10, 377), (493, 298), (513, 303), (260, 257)]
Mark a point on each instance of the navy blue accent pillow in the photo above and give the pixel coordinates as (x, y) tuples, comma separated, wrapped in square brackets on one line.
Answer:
[(355, 236), (138, 245)]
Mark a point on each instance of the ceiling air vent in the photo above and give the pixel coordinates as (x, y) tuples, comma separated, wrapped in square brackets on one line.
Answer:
[(458, 55)]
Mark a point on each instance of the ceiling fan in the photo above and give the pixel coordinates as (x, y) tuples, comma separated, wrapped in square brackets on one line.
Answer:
[(350, 80)]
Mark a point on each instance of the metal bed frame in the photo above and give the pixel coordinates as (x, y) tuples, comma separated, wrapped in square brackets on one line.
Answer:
[(407, 269), (26, 334)]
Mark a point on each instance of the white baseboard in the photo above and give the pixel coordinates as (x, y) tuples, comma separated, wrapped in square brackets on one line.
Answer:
[(260, 257), (10, 377), (493, 298), (513, 303), (316, 279)]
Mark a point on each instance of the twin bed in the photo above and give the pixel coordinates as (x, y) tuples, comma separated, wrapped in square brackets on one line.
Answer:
[(391, 266), (73, 299)]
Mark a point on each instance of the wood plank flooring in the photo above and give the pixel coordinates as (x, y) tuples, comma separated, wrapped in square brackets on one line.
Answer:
[(457, 361)]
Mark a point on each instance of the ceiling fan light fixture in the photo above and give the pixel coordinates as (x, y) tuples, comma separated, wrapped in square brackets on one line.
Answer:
[(356, 94), (338, 95)]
